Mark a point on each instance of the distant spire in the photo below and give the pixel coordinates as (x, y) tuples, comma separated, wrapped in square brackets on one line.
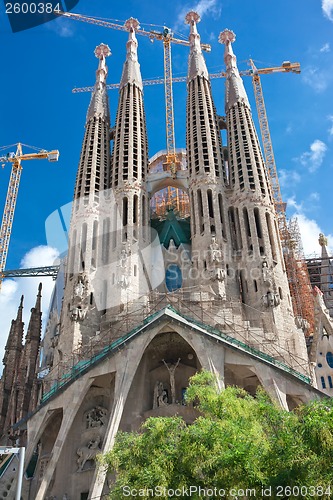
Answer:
[(196, 63), (131, 69), (35, 322), (99, 101), (15, 336), (235, 91)]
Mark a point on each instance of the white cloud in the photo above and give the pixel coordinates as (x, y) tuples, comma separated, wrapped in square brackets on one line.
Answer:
[(310, 230), (288, 177), (202, 7), (314, 158), (325, 48), (12, 290), (315, 78), (327, 6)]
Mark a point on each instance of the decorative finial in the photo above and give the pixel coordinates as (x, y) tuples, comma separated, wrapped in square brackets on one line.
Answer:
[(132, 24), (227, 36), (322, 240), (102, 50), (40, 286), (21, 302), (192, 16)]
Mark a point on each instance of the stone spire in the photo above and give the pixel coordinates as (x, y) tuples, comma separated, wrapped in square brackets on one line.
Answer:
[(255, 243), (99, 105), (203, 139), (207, 175), (29, 359), (11, 362), (247, 169), (129, 166), (234, 89), (93, 172), (196, 62), (131, 69)]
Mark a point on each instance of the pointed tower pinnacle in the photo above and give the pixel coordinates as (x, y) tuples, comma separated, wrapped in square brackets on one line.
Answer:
[(326, 274), (196, 63), (99, 100), (15, 337), (235, 91), (131, 69)]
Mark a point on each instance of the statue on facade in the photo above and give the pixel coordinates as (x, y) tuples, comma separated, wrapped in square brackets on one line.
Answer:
[(88, 452), (123, 280), (215, 251), (78, 314), (171, 369), (80, 286), (96, 417), (160, 395), (266, 273)]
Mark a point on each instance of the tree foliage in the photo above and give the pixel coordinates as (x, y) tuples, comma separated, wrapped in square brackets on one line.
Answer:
[(237, 443)]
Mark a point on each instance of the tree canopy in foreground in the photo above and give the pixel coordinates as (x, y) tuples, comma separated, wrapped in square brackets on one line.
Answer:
[(239, 447)]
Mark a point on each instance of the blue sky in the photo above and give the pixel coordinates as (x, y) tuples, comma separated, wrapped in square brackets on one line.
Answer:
[(40, 66)]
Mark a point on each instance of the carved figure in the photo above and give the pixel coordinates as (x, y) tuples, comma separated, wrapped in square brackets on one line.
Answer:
[(171, 369), (266, 273), (215, 251), (97, 417), (88, 452), (271, 299), (160, 395), (78, 314), (163, 398)]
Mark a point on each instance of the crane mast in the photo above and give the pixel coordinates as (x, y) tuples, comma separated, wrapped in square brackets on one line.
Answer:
[(11, 198)]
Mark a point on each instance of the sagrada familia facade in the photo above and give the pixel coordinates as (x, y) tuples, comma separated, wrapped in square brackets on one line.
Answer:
[(142, 303)]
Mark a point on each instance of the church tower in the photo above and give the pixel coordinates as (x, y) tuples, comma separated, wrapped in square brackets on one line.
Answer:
[(79, 317), (207, 174), (11, 363), (258, 263), (129, 166)]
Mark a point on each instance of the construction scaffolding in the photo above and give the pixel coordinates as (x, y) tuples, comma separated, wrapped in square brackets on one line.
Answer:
[(298, 277)]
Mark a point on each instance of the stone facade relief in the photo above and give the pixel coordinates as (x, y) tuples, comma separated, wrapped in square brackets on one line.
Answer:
[(80, 293), (88, 452), (160, 395), (96, 417), (123, 272)]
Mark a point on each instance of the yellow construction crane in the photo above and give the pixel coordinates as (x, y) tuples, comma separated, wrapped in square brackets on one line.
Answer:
[(167, 37), (14, 182)]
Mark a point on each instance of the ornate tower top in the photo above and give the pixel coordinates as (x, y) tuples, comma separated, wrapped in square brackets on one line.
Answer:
[(235, 91), (196, 62), (99, 101), (131, 70), (322, 240)]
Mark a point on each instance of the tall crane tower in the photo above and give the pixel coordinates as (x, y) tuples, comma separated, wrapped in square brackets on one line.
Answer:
[(167, 37), (13, 186)]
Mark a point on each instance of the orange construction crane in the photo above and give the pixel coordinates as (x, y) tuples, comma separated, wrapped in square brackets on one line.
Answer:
[(167, 37), (14, 182)]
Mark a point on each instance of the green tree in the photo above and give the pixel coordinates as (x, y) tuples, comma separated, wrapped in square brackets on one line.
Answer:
[(237, 443)]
